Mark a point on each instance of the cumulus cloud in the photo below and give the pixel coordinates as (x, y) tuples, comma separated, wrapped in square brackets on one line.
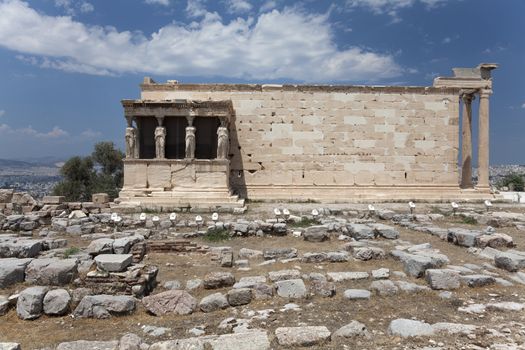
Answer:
[(523, 106), (71, 7), (282, 44), (2, 112), (391, 7), (238, 6), (90, 134), (54, 133), (158, 2)]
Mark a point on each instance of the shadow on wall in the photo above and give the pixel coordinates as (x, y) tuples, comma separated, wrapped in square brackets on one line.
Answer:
[(237, 178)]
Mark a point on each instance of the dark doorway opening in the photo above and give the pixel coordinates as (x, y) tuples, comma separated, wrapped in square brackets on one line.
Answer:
[(147, 127), (175, 137), (206, 137)]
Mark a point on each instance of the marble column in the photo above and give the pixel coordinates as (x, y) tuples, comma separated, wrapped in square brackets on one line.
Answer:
[(483, 141), (466, 142), (131, 142)]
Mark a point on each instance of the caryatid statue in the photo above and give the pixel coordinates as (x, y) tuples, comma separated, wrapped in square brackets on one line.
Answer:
[(160, 142), (223, 142), (190, 142), (131, 141)]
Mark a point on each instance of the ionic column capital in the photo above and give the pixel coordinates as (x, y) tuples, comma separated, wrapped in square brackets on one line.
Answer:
[(467, 98), (485, 93)]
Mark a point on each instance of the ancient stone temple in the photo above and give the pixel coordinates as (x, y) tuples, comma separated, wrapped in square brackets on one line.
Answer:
[(217, 144)]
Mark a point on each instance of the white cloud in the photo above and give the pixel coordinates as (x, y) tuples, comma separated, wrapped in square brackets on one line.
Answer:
[(71, 7), (278, 44), (90, 134), (523, 106), (446, 40), (238, 6), (268, 5), (158, 2), (54, 133), (2, 112), (391, 7)]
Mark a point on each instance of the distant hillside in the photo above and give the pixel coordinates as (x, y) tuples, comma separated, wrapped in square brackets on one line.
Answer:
[(15, 163)]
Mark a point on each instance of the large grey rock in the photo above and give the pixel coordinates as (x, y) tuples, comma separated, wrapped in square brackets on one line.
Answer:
[(216, 280), (357, 294), (213, 302), (239, 296), (293, 288), (323, 288), (442, 279), (20, 248), (30, 302), (131, 341), (353, 329), (250, 339), (113, 262), (173, 301), (56, 302), (124, 244), (453, 328), (478, 280), (249, 281), (409, 328), (494, 240), (12, 271), (282, 275), (316, 234), (302, 336), (314, 258), (416, 264), (246, 253), (4, 305), (100, 246), (384, 287), (279, 253), (103, 306), (360, 231), (89, 345), (347, 276), (10, 346), (52, 271), (368, 253), (463, 237), (511, 261), (385, 231)]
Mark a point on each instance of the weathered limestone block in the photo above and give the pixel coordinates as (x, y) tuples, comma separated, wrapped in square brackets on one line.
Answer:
[(360, 231), (56, 302), (293, 288), (100, 198), (30, 303), (173, 301), (239, 296), (100, 246), (279, 253), (12, 271), (89, 345), (282, 275), (51, 271), (442, 278), (478, 280), (409, 328), (302, 336), (463, 237), (20, 248), (103, 306), (385, 231), (495, 240), (316, 234), (216, 280), (511, 261), (213, 302), (113, 262)]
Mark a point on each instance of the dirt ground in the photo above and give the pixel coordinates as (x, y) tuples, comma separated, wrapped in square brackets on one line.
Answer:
[(333, 312)]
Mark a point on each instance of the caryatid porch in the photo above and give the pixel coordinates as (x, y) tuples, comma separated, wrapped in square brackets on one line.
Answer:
[(177, 153)]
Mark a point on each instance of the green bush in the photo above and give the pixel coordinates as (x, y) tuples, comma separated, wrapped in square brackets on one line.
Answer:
[(469, 220), (100, 172), (71, 251), (217, 235), (513, 181)]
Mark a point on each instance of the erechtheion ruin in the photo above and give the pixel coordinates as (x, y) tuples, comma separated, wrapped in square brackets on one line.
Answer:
[(222, 143)]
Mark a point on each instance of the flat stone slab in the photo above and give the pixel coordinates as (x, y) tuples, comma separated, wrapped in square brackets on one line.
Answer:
[(113, 262), (442, 278), (357, 294), (103, 306), (477, 280), (20, 248), (294, 288), (251, 339), (249, 282), (89, 345), (409, 328), (302, 336), (282, 275), (52, 271), (173, 301), (511, 260), (346, 276)]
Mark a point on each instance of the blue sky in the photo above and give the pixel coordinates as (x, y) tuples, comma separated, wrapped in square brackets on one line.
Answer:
[(66, 64)]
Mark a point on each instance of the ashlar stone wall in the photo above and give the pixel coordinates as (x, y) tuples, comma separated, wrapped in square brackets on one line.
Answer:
[(315, 137)]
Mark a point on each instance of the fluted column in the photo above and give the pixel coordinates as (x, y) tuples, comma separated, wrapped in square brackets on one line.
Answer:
[(466, 142), (483, 142)]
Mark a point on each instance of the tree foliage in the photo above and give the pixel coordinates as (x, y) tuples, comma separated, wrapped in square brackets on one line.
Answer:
[(513, 181), (100, 172)]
